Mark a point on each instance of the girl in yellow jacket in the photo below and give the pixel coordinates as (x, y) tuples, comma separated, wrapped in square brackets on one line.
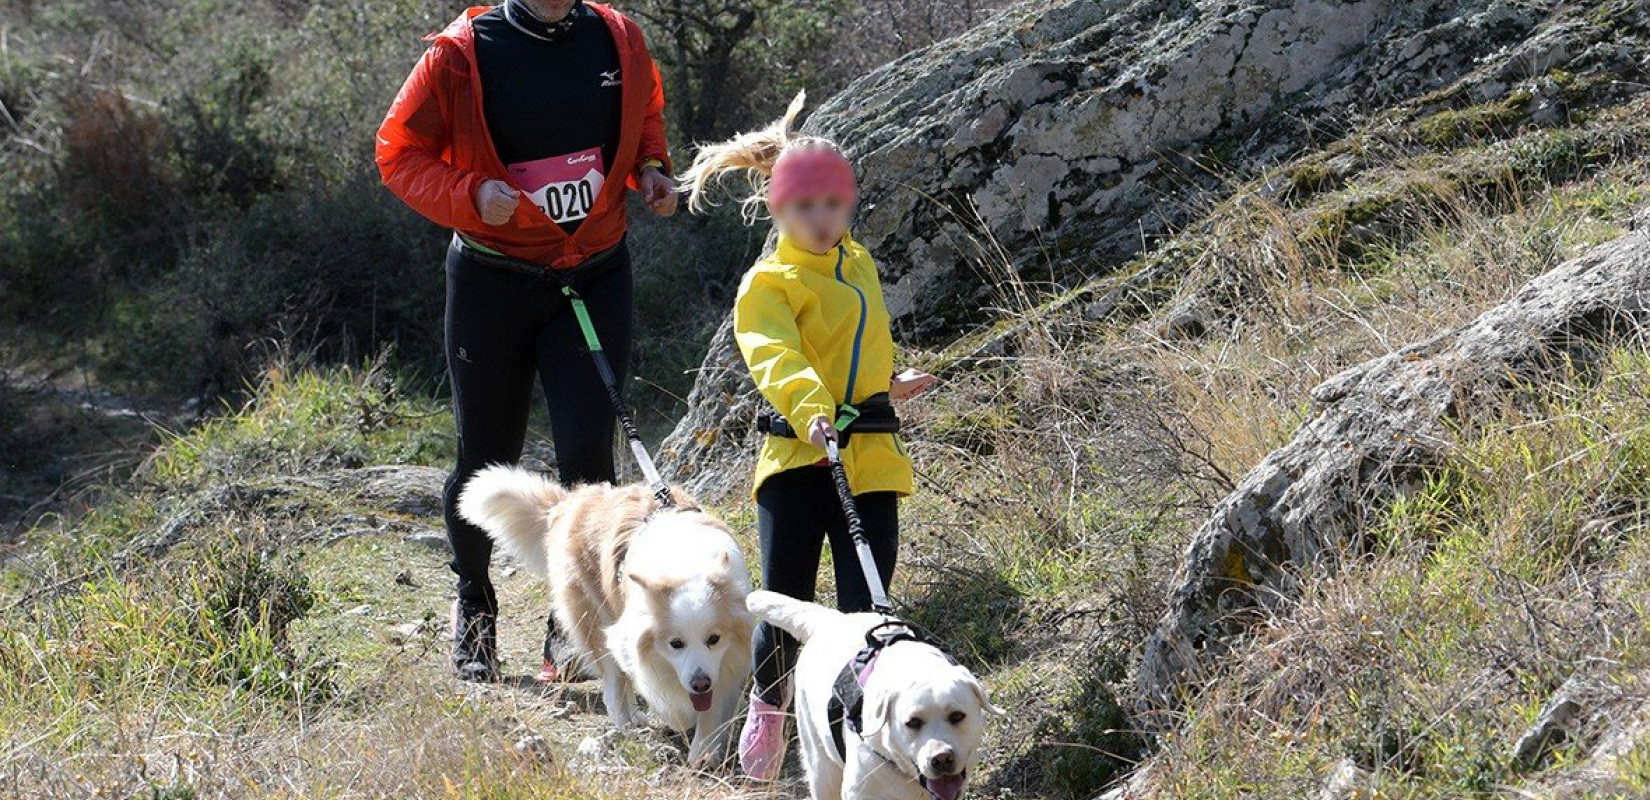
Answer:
[(812, 327)]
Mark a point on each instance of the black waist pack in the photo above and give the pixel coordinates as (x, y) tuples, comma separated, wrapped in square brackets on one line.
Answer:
[(874, 414)]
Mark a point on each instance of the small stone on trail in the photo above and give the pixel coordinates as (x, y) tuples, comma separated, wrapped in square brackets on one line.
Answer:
[(435, 540), (534, 746), (1347, 781), (403, 633), (591, 747), (359, 611), (405, 578)]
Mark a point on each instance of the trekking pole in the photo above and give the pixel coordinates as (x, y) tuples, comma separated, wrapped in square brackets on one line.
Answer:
[(856, 529), (650, 473)]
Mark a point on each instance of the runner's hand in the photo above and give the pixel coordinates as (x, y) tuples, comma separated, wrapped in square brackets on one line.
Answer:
[(821, 430), (659, 191), (909, 384), (496, 202)]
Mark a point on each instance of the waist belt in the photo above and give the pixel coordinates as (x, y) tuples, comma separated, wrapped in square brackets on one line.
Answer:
[(874, 414), (593, 265)]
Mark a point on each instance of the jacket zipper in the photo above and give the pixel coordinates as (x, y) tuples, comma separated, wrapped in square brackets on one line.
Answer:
[(859, 332)]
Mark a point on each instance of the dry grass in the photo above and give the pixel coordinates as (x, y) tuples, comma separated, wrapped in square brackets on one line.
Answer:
[(1519, 565), (230, 624)]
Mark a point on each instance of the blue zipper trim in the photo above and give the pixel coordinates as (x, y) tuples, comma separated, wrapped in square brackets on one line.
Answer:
[(859, 333)]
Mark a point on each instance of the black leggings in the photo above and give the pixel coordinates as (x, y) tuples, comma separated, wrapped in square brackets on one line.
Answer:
[(502, 328), (796, 512)]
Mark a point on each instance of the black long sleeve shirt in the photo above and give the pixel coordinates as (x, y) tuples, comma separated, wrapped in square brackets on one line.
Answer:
[(551, 96)]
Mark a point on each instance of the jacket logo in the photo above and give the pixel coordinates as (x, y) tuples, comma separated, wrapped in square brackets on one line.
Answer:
[(611, 78), (571, 160)]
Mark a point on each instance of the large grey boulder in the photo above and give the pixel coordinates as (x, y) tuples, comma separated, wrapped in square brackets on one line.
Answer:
[(712, 451), (1058, 136), (1053, 141), (1372, 431)]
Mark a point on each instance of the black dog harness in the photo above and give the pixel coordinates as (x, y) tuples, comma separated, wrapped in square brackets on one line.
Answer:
[(874, 414), (847, 704)]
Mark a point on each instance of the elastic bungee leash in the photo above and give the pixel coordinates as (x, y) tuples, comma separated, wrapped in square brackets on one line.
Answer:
[(621, 409), (856, 527), (845, 709)]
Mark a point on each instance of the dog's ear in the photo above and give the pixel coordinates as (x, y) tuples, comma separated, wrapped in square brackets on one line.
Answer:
[(879, 707), (719, 578), (627, 646), (978, 689)]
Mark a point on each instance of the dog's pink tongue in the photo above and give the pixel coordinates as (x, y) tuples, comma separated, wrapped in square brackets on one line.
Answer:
[(949, 787), (701, 702)]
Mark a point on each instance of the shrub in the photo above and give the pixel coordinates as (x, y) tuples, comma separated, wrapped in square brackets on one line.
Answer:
[(302, 420), (215, 619)]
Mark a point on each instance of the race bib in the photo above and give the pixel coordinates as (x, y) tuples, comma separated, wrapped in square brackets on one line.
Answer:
[(563, 187)]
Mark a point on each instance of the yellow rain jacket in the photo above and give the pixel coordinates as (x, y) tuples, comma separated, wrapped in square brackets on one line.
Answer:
[(814, 331)]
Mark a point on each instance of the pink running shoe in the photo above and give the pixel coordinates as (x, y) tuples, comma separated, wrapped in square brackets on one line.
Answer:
[(762, 744), (548, 672)]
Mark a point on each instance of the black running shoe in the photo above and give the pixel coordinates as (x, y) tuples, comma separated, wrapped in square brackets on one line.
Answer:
[(475, 643)]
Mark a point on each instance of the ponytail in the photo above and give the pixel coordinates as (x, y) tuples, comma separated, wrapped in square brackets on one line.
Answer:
[(752, 152)]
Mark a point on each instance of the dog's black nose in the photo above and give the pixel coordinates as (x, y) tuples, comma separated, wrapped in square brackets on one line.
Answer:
[(944, 762), (701, 684)]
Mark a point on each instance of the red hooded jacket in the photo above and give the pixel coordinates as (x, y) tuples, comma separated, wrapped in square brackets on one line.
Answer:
[(434, 149)]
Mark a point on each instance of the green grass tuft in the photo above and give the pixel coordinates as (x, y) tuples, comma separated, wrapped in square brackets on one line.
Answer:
[(303, 420), (1452, 127)]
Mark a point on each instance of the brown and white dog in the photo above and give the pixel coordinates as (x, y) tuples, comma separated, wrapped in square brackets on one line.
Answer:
[(654, 597)]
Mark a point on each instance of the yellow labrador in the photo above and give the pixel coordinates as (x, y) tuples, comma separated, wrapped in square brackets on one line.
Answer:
[(920, 715)]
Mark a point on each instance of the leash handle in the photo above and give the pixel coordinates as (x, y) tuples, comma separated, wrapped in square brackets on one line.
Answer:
[(856, 529), (650, 472)]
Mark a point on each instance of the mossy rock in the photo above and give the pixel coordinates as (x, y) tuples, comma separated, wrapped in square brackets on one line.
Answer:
[(1310, 178), (1453, 127)]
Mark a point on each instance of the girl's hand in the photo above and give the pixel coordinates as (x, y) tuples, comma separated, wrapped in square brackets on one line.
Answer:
[(909, 384), (820, 431)]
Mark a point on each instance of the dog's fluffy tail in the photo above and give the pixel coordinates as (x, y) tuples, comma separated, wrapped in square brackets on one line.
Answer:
[(796, 617), (511, 504)]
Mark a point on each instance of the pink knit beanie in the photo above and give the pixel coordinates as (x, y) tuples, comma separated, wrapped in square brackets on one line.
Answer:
[(810, 172)]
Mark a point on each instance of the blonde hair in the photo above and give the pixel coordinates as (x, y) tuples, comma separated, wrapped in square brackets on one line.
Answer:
[(753, 153)]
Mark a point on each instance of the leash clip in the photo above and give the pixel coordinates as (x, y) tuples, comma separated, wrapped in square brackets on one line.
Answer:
[(846, 414)]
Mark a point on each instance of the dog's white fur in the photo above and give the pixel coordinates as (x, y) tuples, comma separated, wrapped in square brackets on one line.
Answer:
[(919, 708), (654, 597)]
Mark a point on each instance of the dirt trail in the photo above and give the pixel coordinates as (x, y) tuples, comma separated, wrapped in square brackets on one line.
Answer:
[(60, 434), (386, 596)]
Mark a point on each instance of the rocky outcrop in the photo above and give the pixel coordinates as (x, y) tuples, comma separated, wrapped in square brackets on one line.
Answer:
[(712, 451), (1051, 142), (1064, 133), (1607, 722), (1373, 430)]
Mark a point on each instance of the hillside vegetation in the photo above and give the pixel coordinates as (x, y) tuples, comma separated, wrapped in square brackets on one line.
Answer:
[(257, 612)]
